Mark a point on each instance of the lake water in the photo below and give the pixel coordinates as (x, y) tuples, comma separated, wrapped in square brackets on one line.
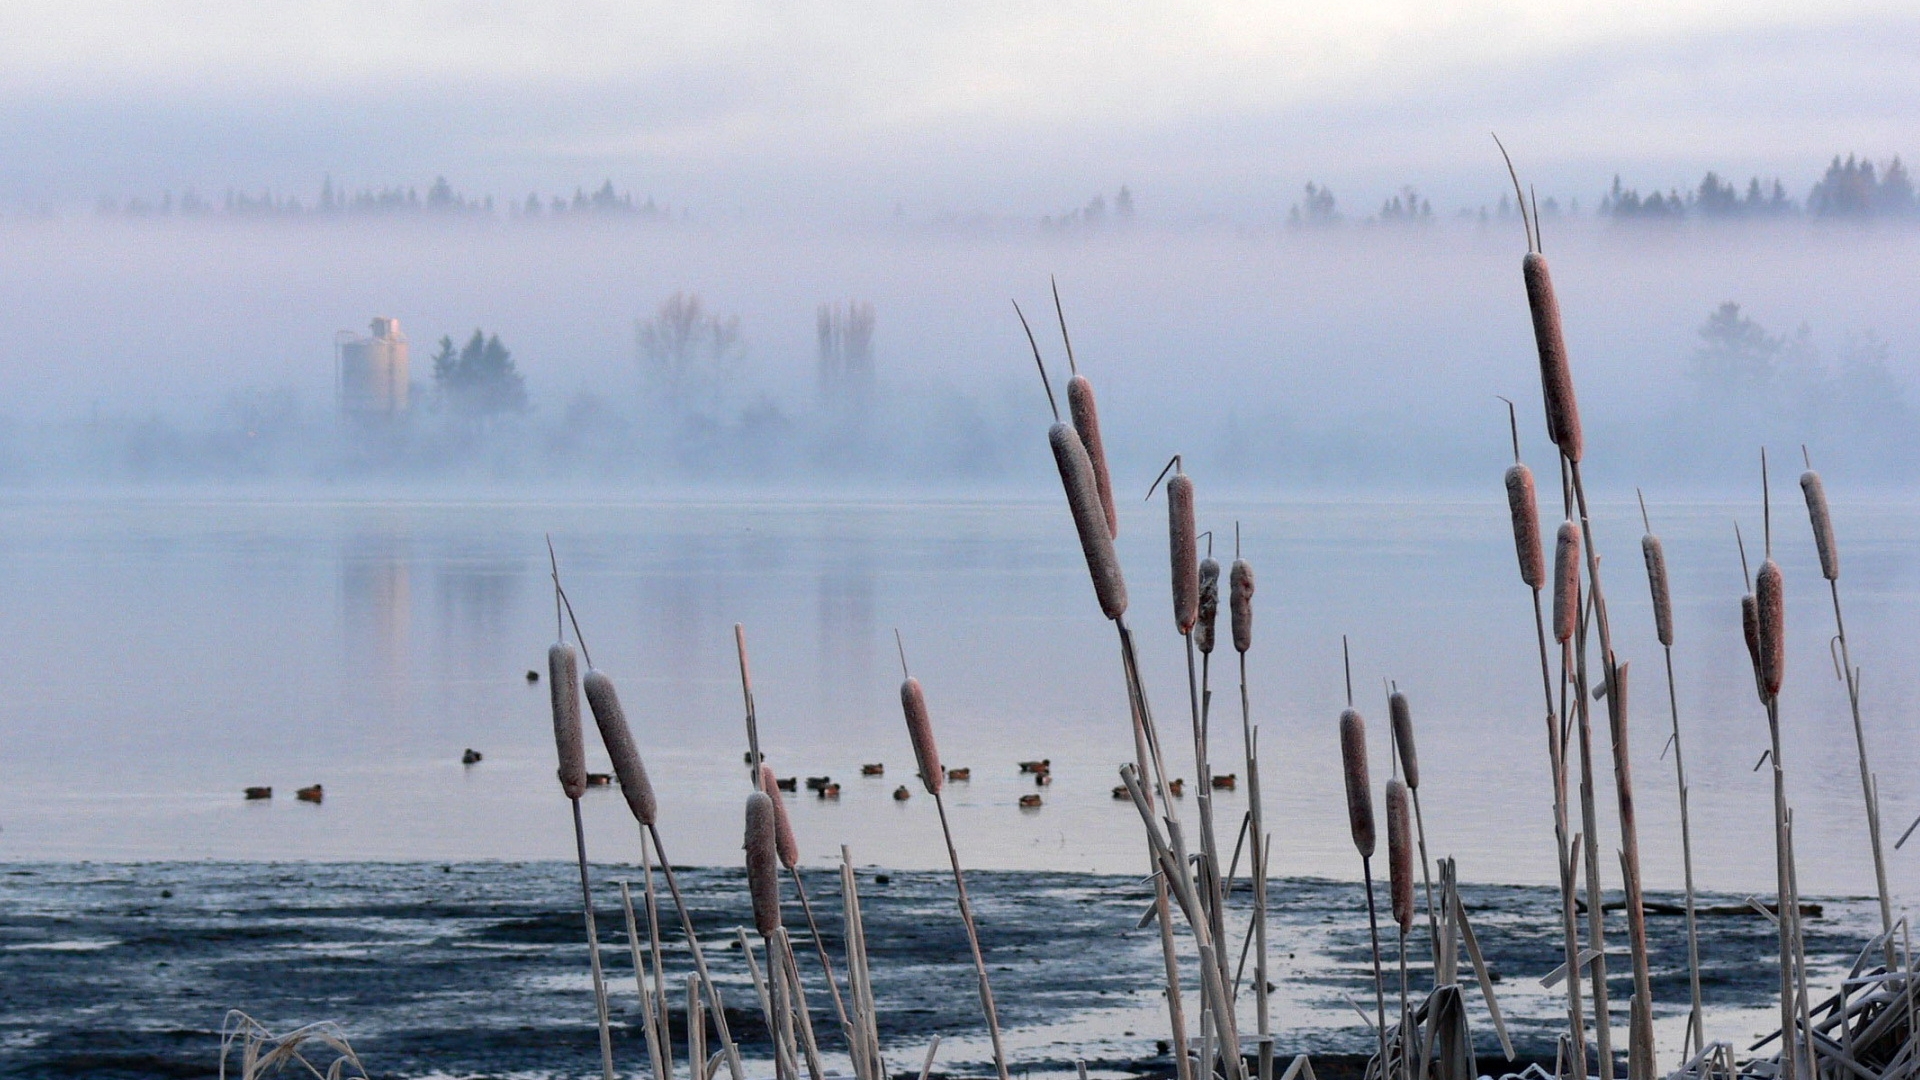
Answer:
[(166, 653)]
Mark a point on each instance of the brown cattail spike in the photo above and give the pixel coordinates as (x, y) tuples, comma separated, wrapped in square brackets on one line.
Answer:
[(1816, 493), (926, 752), (563, 682), (1656, 559), (1183, 550), (618, 739), (784, 842), (1770, 604), (1566, 581), (1556, 376), (1240, 603), (1400, 853), (1089, 519), (1353, 762), (1401, 718), (763, 870), (1526, 526), (1209, 604), (1750, 629), (1086, 422)]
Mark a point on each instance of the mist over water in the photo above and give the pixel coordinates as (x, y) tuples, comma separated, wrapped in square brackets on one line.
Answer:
[(1360, 357)]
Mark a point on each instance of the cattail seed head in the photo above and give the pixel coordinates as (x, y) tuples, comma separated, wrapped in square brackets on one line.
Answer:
[(1086, 422), (1816, 493), (618, 739), (1770, 602), (1656, 558), (1182, 545), (1089, 519), (563, 682), (784, 842), (1353, 762), (1526, 526), (1209, 604), (1400, 853), (1566, 581), (763, 871), (1240, 603), (1556, 375), (1401, 718), (926, 752), (1750, 628)]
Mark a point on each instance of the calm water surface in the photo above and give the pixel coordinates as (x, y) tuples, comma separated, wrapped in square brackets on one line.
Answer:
[(163, 654)]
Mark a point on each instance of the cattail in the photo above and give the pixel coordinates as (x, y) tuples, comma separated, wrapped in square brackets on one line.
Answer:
[(1526, 526), (763, 871), (1086, 423), (1353, 761), (1656, 558), (1816, 493), (618, 739), (1209, 604), (913, 702), (563, 679), (1240, 603), (1089, 519), (1556, 376), (783, 839), (1400, 853), (1566, 581), (1401, 718), (1770, 604), (1181, 546), (1750, 627)]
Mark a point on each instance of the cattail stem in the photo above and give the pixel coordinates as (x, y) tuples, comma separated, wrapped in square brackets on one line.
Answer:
[(820, 947), (1696, 1024), (1262, 994), (1574, 660), (664, 1018), (1407, 1036), (1867, 790), (973, 939), (696, 1031), (714, 1000), (1379, 981), (593, 945), (648, 1006), (797, 1004), (1789, 1041), (771, 990), (1570, 922)]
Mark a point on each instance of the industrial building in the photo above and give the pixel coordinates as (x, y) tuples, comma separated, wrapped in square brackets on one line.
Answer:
[(371, 372)]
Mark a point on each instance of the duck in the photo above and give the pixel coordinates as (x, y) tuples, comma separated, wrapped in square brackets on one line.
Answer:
[(599, 779), (818, 783), (1029, 802), (874, 769), (259, 793), (787, 783), (960, 775), (828, 791), (1224, 783), (471, 757), (1042, 765), (1178, 787), (310, 794), (901, 794)]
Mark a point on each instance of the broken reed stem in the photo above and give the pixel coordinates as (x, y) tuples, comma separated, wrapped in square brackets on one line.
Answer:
[(696, 1030), (820, 947), (715, 1003), (648, 1010), (859, 975), (593, 945)]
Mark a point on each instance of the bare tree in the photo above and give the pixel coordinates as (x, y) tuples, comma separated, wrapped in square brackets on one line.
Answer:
[(686, 353)]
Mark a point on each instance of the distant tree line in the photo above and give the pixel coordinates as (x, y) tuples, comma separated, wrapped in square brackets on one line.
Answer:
[(440, 199), (1851, 188)]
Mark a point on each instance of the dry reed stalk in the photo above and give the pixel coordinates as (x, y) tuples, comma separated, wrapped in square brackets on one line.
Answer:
[(1250, 737), (563, 676), (1086, 420), (1400, 716), (1823, 541), (1662, 595), (649, 1024), (1524, 513), (797, 1003), (913, 704), (772, 1009), (697, 1065), (1353, 768), (1400, 892), (714, 1000), (1641, 1021), (870, 1064)]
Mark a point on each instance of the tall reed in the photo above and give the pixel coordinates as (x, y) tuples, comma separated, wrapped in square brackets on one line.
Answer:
[(1400, 892), (1769, 643), (1654, 555), (1240, 610), (763, 887), (926, 752), (1353, 768), (1822, 522), (1523, 510)]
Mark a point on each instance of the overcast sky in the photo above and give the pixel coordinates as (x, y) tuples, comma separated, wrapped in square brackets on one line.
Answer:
[(848, 110)]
